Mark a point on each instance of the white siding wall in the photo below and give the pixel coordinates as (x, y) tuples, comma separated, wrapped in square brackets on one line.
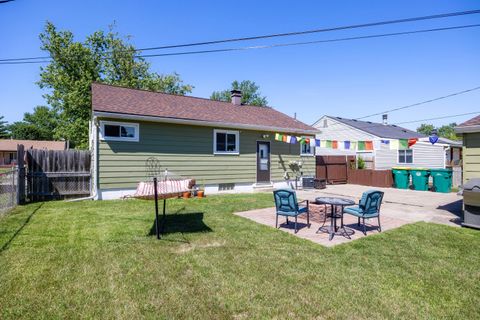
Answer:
[(425, 155), (335, 130)]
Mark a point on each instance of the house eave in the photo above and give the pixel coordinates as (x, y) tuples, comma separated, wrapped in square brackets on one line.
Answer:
[(126, 116), (467, 129)]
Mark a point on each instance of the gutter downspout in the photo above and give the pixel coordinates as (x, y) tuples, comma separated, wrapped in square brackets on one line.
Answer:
[(93, 144)]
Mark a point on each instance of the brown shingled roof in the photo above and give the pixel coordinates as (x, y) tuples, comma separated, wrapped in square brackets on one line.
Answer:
[(472, 122), (11, 144), (108, 98)]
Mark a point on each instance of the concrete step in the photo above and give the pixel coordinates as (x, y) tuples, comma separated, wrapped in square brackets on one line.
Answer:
[(263, 187)]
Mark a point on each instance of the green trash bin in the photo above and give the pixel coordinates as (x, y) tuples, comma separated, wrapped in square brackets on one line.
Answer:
[(400, 178), (420, 178), (442, 180)]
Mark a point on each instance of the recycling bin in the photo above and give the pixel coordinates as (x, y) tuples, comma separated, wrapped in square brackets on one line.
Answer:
[(400, 178), (471, 204), (442, 180), (420, 178)]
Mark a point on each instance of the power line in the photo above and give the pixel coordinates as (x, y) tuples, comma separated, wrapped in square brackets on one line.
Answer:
[(271, 46), (295, 33), (438, 118), (419, 103)]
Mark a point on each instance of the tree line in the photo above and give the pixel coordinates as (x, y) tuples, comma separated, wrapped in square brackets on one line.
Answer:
[(105, 57)]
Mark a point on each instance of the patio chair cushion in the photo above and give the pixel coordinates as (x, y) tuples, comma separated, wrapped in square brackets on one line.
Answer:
[(359, 212)]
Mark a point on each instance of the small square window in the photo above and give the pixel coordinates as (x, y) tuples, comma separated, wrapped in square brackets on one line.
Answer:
[(306, 149), (226, 142), (405, 156)]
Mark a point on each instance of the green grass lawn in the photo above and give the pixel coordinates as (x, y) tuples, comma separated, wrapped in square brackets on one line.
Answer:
[(99, 260)]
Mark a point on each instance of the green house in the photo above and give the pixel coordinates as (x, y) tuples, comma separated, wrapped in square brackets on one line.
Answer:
[(470, 132), (225, 147)]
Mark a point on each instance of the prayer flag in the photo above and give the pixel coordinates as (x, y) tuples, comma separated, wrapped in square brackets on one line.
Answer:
[(312, 142), (284, 138), (368, 145), (278, 137), (307, 140), (403, 144), (353, 145), (329, 143), (293, 139), (361, 145), (377, 145), (334, 144), (323, 143), (317, 142), (394, 144), (346, 145), (289, 138), (412, 141)]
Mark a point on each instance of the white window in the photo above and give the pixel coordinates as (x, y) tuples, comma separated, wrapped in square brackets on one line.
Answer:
[(119, 131), (306, 149), (226, 142), (405, 156)]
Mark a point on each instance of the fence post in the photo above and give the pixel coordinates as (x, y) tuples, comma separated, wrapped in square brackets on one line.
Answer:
[(21, 174)]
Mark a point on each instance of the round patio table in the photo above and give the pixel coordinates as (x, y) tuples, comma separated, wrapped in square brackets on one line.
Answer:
[(334, 203)]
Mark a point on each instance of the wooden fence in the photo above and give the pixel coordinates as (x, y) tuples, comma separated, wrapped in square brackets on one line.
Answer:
[(333, 168), (52, 174), (373, 178)]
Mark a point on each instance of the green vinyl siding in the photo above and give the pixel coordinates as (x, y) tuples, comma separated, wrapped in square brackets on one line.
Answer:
[(471, 156), (188, 151)]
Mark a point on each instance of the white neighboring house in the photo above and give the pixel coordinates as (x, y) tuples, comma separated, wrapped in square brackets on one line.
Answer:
[(423, 154)]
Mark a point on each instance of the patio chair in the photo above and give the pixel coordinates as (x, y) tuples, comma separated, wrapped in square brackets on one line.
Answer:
[(287, 206), (368, 207)]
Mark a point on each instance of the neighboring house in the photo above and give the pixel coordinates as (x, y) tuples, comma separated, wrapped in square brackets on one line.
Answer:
[(223, 145), (8, 148), (422, 154), (470, 132)]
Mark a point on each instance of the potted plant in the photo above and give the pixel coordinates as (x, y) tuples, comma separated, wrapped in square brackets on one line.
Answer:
[(201, 191), (186, 194)]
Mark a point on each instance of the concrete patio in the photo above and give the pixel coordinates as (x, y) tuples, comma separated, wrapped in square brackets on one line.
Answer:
[(399, 207)]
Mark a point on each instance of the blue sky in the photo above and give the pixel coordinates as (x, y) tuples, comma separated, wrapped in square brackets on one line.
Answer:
[(348, 79)]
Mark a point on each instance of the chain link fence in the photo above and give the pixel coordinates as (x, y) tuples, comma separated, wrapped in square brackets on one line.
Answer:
[(8, 190)]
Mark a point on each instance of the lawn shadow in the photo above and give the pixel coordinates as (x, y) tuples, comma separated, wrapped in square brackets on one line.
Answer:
[(17, 232), (191, 222)]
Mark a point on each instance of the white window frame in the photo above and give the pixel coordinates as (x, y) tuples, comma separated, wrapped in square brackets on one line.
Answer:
[(237, 142), (310, 154), (398, 156), (136, 126)]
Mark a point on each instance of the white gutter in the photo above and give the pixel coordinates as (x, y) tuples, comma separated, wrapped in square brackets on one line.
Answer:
[(215, 124)]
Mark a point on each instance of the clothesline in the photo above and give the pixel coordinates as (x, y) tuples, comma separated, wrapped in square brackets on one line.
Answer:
[(360, 145)]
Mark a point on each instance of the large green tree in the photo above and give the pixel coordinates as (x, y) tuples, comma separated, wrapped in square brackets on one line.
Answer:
[(104, 57), (446, 131), (3, 128), (250, 93), (39, 125)]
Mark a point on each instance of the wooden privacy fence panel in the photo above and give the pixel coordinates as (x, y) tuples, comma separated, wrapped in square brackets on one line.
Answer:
[(373, 178), (333, 168), (56, 174)]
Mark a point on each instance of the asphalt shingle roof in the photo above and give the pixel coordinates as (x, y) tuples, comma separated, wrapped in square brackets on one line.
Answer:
[(380, 130), (108, 98), (472, 122), (11, 144)]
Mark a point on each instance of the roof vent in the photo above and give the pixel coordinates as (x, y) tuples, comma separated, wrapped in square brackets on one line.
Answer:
[(385, 119), (236, 97)]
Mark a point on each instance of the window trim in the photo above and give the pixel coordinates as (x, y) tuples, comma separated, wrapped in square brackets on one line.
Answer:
[(102, 136), (237, 142), (311, 154), (398, 156)]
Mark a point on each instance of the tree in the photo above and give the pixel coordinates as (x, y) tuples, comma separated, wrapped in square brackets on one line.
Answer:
[(445, 131), (102, 57), (448, 131), (3, 128), (39, 125), (426, 129), (250, 93)]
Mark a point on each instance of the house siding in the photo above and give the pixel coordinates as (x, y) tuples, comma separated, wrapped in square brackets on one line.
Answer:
[(188, 151), (471, 156), (425, 155)]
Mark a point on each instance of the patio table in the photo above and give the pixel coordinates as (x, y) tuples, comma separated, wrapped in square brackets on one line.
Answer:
[(334, 203)]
